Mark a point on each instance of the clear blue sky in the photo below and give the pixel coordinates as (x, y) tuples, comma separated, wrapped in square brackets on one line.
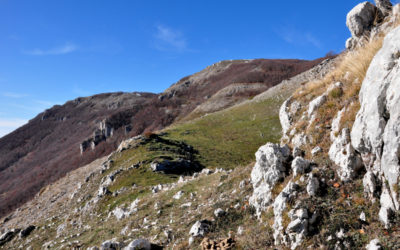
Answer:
[(54, 51)]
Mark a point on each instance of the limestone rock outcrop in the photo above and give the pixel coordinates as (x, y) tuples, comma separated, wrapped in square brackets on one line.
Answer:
[(344, 156), (271, 166), (360, 19), (376, 131), (384, 6)]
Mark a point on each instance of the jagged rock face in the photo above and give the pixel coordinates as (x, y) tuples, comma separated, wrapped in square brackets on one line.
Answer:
[(376, 130), (360, 21), (271, 166), (384, 6), (361, 18)]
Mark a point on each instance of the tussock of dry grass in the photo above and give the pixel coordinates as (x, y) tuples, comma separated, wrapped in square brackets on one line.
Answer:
[(350, 70)]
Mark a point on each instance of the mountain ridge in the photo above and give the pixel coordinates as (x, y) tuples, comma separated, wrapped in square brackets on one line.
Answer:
[(82, 124)]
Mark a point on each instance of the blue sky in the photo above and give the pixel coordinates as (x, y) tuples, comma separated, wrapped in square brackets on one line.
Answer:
[(54, 51)]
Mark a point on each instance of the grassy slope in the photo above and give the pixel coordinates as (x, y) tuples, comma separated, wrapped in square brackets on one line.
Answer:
[(226, 139), (230, 138)]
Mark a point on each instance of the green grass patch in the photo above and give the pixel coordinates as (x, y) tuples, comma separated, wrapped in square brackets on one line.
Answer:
[(231, 137)]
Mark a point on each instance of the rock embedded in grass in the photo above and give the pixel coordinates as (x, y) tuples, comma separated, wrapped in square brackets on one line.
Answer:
[(219, 212)]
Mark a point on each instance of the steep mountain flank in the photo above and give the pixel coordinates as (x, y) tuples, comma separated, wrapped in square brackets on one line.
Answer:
[(66, 137)]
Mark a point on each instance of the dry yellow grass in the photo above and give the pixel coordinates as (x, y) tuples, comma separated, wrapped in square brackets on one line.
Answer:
[(351, 69)]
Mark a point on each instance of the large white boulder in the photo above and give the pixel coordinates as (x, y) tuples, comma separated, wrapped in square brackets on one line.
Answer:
[(271, 165), (361, 18)]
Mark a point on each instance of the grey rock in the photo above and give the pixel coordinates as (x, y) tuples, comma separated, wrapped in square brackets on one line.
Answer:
[(374, 245), (27, 231), (351, 43), (361, 18), (103, 191), (376, 131), (270, 167), (363, 217), (384, 6), (299, 166), (200, 228), (139, 244), (300, 139), (110, 245), (369, 184), (298, 152), (316, 151), (191, 240), (315, 104), (312, 186), (219, 212), (178, 195), (285, 116), (344, 156), (279, 206), (296, 226), (240, 230), (180, 166), (8, 236), (387, 207), (396, 12)]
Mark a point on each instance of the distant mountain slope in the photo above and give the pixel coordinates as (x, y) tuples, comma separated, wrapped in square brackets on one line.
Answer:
[(66, 137)]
